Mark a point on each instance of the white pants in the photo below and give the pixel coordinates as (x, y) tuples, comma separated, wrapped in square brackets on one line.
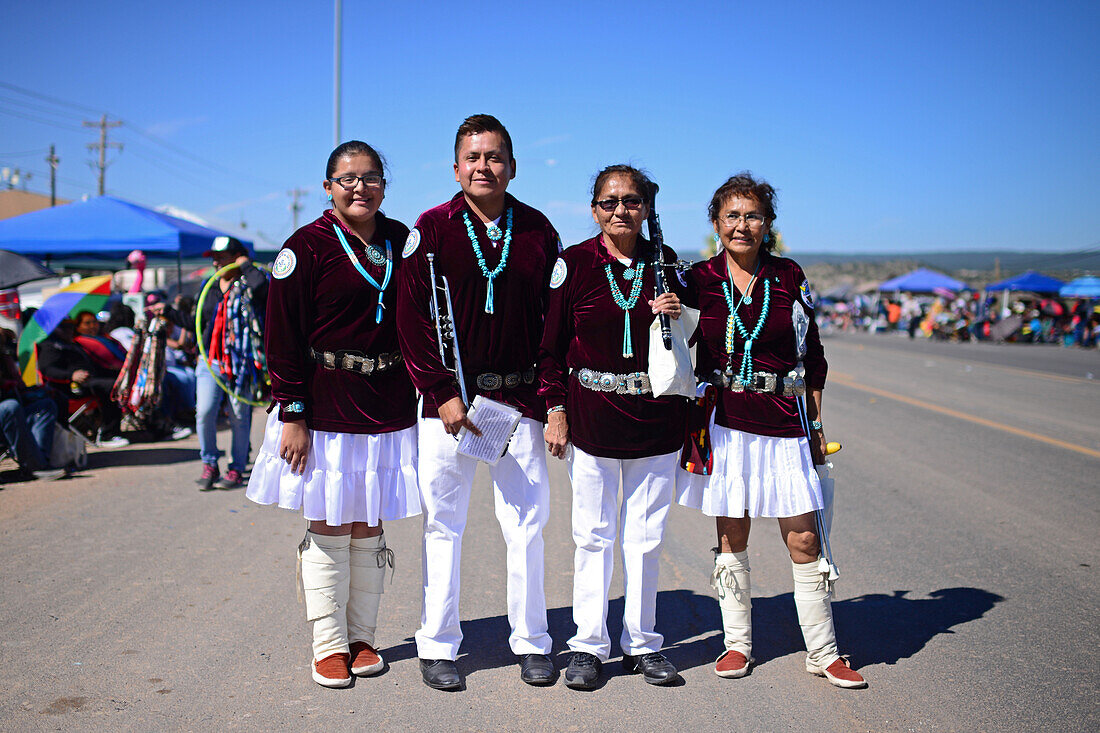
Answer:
[(648, 485), (521, 489)]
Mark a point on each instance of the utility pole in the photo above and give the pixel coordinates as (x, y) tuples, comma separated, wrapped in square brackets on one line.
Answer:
[(102, 146), (295, 207), (336, 79), (52, 160)]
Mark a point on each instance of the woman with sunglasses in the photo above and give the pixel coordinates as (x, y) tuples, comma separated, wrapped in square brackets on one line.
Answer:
[(593, 363), (341, 447), (763, 458)]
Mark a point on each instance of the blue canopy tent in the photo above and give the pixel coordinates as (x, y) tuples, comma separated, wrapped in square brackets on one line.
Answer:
[(1030, 281), (922, 280), (104, 228), (1082, 287)]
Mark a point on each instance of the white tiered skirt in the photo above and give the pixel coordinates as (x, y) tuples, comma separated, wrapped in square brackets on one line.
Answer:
[(349, 477), (757, 475)]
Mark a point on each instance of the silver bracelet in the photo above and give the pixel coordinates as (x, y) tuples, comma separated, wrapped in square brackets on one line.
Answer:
[(815, 424), (556, 408)]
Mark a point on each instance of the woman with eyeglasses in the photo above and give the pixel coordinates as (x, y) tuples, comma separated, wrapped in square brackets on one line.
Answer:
[(763, 458), (341, 447), (593, 363)]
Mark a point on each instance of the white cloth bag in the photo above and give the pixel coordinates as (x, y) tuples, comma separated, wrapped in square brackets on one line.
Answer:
[(673, 372)]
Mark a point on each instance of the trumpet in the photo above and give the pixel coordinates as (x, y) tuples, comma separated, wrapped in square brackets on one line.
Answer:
[(445, 334)]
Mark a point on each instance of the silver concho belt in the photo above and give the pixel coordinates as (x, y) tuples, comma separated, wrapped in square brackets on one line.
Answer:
[(355, 361), (792, 385), (636, 383), (491, 381)]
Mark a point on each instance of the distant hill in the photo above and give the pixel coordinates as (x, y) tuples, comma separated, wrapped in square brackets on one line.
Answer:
[(1011, 262), (979, 268)]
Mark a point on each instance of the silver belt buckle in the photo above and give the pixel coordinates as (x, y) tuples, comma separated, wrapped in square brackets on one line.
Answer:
[(328, 360), (489, 381), (769, 382), (635, 383)]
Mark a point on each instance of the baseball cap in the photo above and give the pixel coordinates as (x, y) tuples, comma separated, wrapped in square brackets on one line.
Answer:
[(226, 244)]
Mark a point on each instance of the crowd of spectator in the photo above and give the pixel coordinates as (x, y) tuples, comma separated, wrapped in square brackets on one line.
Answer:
[(967, 317), (80, 363)]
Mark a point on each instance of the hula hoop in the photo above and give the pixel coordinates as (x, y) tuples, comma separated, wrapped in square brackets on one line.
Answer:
[(198, 333)]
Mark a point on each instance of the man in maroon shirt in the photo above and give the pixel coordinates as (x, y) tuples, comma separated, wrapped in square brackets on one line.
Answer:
[(497, 255)]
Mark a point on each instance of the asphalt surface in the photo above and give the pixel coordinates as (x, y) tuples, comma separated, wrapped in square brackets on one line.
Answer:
[(965, 529)]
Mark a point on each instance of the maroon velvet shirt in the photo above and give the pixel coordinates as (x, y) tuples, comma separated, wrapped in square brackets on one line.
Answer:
[(584, 329), (324, 303), (773, 351), (503, 342)]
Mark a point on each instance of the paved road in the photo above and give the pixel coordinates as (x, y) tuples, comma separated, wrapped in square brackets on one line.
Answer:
[(965, 529)]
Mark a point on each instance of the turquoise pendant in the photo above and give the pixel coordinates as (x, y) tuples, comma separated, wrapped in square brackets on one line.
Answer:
[(375, 256), (493, 232), (747, 300), (628, 273)]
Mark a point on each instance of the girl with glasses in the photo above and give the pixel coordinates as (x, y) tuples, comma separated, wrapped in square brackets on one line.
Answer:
[(341, 445)]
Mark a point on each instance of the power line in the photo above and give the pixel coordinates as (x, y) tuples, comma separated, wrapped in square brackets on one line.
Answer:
[(129, 126), (24, 153), (40, 108), (32, 118), (55, 100)]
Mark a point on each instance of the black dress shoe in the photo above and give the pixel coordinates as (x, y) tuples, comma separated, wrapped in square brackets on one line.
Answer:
[(655, 669), (536, 669), (440, 674), (583, 672)]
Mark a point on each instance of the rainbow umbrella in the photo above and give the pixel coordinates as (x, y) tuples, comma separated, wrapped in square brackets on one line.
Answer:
[(89, 294)]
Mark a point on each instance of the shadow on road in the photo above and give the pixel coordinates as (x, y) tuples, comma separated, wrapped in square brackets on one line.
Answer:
[(141, 457), (877, 628)]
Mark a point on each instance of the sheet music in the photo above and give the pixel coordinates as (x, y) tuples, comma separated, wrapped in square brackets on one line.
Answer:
[(497, 422)]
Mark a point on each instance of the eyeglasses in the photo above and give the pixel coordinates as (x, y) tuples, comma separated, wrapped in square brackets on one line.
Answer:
[(370, 180), (632, 203), (754, 220)]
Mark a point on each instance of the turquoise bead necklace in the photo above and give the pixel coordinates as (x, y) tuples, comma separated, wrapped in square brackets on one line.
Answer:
[(626, 303), (366, 275), (481, 258), (734, 324)]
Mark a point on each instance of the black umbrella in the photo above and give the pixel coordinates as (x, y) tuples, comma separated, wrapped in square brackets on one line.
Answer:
[(15, 269)]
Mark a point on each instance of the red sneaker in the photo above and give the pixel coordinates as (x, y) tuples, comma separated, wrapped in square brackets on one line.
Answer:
[(732, 664), (365, 659), (332, 671), (839, 673), (209, 477), (232, 480)]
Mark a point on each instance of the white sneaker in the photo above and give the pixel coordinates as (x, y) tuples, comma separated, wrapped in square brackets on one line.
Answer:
[(180, 432), (116, 442)]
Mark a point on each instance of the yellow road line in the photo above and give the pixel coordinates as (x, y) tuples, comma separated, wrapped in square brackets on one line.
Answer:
[(974, 363), (846, 381)]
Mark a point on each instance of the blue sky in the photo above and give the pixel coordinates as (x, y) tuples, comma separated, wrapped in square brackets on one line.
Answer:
[(885, 126)]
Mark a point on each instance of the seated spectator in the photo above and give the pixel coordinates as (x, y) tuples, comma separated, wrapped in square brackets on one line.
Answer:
[(105, 351), (120, 324), (72, 373), (27, 416)]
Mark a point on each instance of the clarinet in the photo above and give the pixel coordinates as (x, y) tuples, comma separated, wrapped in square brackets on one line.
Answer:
[(445, 327), (658, 239)]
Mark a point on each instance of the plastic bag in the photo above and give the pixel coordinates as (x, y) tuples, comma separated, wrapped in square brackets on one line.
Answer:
[(673, 372)]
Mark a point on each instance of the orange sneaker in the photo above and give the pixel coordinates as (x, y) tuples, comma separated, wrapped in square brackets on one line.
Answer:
[(732, 664), (332, 671), (365, 659), (839, 673)]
